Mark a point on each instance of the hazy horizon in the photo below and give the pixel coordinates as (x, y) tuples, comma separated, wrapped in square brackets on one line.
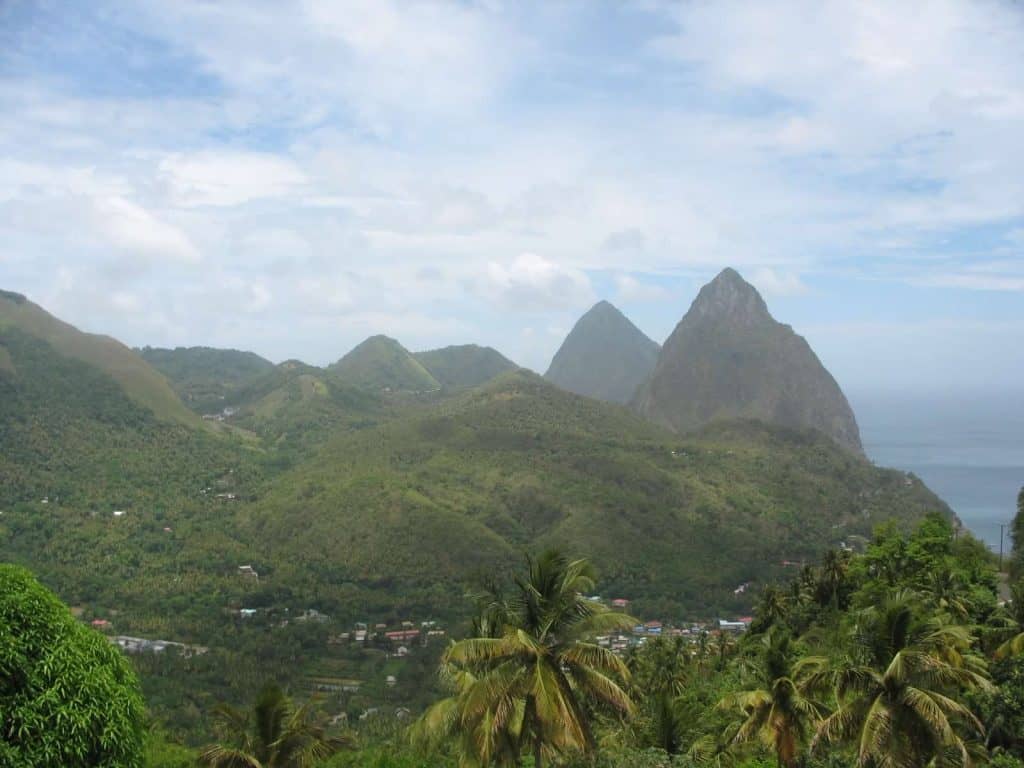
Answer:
[(292, 178)]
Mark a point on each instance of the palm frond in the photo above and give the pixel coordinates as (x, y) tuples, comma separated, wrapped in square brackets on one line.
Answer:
[(219, 756)]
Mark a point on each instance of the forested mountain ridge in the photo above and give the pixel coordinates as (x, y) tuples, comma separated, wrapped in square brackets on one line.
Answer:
[(519, 464), (464, 365), (365, 503), (139, 380), (205, 377), (381, 363)]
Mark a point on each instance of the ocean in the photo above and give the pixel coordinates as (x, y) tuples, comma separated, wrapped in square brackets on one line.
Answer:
[(969, 450)]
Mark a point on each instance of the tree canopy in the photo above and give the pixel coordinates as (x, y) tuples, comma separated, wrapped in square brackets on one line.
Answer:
[(67, 697)]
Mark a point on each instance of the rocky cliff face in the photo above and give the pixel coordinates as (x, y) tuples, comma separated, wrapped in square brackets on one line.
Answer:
[(729, 358), (605, 356)]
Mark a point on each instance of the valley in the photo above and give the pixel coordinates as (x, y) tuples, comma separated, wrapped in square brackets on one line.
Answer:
[(381, 490)]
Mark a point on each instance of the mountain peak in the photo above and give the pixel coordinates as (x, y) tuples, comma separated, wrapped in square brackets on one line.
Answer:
[(382, 363), (730, 297), (603, 311), (17, 298), (729, 358), (605, 356), (464, 365)]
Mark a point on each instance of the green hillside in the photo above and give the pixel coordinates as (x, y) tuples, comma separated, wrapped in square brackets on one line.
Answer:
[(471, 482), (139, 380), (75, 449), (381, 363), (465, 365), (377, 506), (204, 377), (297, 405)]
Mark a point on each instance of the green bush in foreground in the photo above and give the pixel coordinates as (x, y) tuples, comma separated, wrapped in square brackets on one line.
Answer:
[(67, 697)]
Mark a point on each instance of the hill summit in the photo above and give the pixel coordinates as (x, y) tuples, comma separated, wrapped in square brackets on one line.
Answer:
[(464, 365), (140, 381), (605, 356), (380, 362), (729, 358)]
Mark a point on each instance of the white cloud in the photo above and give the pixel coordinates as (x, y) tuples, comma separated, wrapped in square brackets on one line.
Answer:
[(628, 288), (126, 302), (774, 282), (976, 281), (348, 164), (531, 283), (138, 234), (228, 178)]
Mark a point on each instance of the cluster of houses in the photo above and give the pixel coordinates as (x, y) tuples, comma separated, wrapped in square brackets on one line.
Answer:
[(650, 630), (130, 644), (142, 645), (641, 633), (226, 413), (398, 639)]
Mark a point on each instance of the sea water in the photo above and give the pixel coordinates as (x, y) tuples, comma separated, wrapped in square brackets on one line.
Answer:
[(968, 449)]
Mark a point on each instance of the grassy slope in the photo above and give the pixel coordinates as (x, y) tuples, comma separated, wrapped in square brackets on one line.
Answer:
[(140, 381), (475, 480), (382, 363), (466, 365)]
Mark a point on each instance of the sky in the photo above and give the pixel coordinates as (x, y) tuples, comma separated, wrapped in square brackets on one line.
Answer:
[(291, 177)]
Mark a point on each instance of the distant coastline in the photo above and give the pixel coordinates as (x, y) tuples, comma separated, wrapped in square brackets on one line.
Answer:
[(968, 449)]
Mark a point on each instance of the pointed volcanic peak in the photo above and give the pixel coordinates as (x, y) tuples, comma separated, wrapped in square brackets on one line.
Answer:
[(464, 365), (604, 356), (381, 363), (729, 358), (138, 379)]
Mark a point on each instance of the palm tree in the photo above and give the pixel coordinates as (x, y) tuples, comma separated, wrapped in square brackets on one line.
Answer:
[(276, 734), (479, 741), (703, 650), (1013, 622), (832, 578), (528, 686), (660, 675), (725, 644), (898, 692), (781, 711), (771, 609), (948, 593)]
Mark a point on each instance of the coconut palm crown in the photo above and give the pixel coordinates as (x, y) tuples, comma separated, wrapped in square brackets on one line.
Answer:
[(275, 734), (900, 694), (532, 680)]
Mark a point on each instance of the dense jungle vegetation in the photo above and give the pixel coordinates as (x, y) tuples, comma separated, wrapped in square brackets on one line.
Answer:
[(902, 655)]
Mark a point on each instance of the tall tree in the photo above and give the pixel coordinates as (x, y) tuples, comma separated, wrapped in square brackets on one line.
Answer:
[(661, 671), (833, 576), (68, 698), (1017, 539), (900, 692), (1011, 619), (781, 710), (532, 685), (771, 609), (275, 734)]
